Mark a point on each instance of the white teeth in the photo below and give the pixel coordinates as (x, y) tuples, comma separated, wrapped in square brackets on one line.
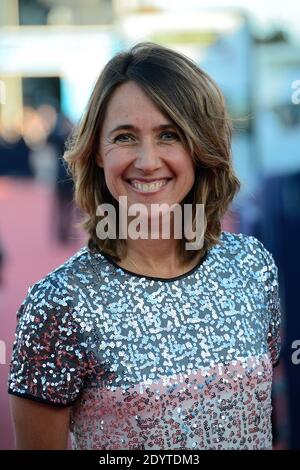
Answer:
[(153, 186)]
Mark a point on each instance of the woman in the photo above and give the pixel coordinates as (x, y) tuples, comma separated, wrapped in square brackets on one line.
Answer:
[(140, 343)]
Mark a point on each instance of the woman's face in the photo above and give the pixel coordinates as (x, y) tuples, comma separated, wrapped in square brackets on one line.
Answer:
[(141, 151)]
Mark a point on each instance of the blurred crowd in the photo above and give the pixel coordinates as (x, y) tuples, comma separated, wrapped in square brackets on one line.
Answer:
[(32, 147)]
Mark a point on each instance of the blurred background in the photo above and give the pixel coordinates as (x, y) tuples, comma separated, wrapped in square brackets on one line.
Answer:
[(51, 52)]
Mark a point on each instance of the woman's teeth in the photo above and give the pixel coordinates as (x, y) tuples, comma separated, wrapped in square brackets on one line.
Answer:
[(153, 186)]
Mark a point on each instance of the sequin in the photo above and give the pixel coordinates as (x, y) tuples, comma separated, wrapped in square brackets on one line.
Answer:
[(150, 363)]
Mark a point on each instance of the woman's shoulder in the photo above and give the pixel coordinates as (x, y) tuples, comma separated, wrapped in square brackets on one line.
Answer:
[(242, 241), (60, 284), (247, 249), (48, 305)]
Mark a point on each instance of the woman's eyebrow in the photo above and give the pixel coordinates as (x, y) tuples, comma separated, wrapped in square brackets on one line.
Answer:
[(134, 128)]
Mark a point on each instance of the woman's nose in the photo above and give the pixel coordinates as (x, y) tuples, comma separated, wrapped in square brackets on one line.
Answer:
[(148, 158)]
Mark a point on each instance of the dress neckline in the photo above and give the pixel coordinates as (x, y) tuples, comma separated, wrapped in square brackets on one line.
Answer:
[(155, 278), (201, 263)]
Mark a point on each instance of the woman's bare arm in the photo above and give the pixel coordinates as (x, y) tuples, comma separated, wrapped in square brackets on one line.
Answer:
[(39, 426)]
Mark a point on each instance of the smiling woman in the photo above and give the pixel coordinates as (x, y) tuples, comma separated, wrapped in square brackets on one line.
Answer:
[(139, 343), (147, 163), (140, 127)]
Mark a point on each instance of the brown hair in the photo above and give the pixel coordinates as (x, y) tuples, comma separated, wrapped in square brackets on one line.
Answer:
[(193, 101)]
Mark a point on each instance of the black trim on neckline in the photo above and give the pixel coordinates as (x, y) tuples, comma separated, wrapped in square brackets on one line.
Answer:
[(152, 278)]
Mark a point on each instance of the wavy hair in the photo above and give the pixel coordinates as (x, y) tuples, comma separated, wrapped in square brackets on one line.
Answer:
[(194, 102)]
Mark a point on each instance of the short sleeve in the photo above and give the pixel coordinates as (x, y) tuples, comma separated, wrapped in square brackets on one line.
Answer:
[(271, 286), (48, 362)]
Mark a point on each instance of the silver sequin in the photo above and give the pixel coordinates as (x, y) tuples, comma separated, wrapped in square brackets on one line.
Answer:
[(149, 363)]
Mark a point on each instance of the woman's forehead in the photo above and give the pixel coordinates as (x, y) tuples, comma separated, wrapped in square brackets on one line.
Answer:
[(132, 107), (130, 96)]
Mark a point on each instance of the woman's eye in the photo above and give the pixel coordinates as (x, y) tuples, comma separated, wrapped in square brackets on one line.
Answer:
[(127, 137), (171, 135), (120, 138)]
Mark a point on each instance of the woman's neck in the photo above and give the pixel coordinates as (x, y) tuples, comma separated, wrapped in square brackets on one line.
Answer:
[(157, 258)]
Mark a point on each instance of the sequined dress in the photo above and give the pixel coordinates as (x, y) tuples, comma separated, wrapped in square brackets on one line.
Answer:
[(153, 363)]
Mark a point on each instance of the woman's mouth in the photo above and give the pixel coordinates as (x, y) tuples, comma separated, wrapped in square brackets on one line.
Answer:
[(149, 186)]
